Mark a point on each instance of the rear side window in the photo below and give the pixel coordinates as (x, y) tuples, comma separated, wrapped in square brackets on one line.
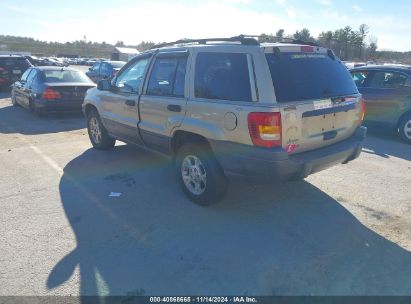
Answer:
[(387, 80), (167, 77), (303, 76), (360, 77), (222, 76), (25, 75)]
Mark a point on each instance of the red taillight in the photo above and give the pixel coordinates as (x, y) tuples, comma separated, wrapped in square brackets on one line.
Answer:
[(307, 49), (362, 114), (51, 94), (265, 129)]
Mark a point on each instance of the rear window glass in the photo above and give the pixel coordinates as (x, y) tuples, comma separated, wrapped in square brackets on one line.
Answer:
[(64, 76), (303, 76), (222, 76), (14, 62)]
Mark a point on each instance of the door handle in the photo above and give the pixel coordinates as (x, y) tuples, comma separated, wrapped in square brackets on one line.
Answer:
[(174, 108), (131, 103)]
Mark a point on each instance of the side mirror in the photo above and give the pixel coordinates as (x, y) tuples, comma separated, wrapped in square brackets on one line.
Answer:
[(90, 68), (104, 85)]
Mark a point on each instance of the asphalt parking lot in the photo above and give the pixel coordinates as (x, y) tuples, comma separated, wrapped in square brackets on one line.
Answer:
[(344, 231)]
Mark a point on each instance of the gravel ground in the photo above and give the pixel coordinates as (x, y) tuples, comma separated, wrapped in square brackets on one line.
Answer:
[(343, 231)]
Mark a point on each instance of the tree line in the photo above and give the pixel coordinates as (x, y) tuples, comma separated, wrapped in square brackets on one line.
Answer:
[(349, 44)]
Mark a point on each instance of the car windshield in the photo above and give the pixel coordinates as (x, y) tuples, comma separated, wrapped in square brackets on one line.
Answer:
[(64, 76), (304, 76)]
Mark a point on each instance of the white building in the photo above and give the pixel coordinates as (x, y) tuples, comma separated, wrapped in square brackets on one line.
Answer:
[(123, 54)]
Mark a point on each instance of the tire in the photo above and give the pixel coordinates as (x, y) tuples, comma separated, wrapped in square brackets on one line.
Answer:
[(201, 177), (13, 100), (404, 128), (97, 133), (34, 110)]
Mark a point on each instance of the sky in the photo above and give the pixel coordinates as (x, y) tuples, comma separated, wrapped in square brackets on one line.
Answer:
[(133, 21)]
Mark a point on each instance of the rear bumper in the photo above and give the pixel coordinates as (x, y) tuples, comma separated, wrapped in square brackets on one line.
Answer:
[(266, 165), (58, 106)]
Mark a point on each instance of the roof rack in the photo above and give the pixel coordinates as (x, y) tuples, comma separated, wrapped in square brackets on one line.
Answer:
[(285, 40), (245, 40)]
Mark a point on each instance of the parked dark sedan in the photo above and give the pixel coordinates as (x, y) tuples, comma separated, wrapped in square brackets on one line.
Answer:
[(51, 89), (387, 94), (11, 69), (104, 70)]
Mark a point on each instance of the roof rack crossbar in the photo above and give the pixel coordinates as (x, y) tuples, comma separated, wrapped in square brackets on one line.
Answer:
[(245, 40), (285, 40)]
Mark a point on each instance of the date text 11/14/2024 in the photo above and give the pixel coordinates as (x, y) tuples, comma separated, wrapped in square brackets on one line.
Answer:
[(203, 299)]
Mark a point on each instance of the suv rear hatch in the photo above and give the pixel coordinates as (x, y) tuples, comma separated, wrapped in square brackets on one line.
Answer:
[(11, 68), (319, 102)]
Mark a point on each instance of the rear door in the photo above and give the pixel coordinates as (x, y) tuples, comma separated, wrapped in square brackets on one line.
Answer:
[(319, 102), (27, 89), (120, 105), (385, 93), (163, 105), (19, 87)]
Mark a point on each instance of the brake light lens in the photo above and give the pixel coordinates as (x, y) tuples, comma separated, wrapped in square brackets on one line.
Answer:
[(265, 129), (51, 94), (3, 70), (362, 113)]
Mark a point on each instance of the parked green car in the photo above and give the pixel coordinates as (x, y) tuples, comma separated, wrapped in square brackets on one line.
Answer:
[(387, 94)]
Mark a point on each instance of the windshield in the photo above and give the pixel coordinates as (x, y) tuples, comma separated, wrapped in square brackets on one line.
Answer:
[(64, 76), (304, 76)]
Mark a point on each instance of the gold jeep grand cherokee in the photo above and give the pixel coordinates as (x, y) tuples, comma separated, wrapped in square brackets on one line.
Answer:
[(277, 111)]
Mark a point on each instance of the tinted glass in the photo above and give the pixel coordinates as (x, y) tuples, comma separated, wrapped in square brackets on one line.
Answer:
[(167, 77), (31, 76), (303, 76), (360, 77), (64, 76), (21, 63), (25, 75), (129, 80), (180, 77), (105, 68), (222, 76), (117, 64), (96, 67), (386, 80)]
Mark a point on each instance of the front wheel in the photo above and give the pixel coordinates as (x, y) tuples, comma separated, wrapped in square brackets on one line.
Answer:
[(405, 128), (13, 99), (201, 177), (97, 133)]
